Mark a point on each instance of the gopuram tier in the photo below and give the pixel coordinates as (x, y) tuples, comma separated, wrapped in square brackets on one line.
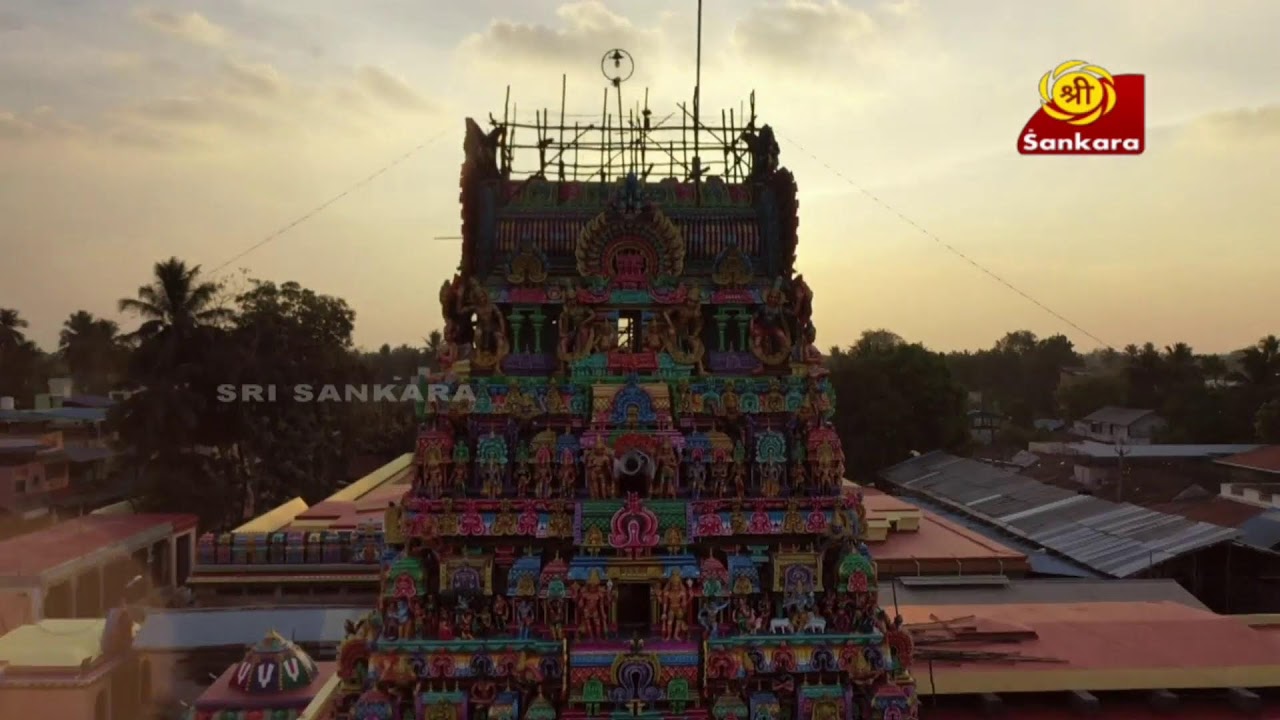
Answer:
[(631, 501)]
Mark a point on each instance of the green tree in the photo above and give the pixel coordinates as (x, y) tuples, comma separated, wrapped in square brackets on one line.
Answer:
[(288, 336), (893, 399), (1260, 364), (92, 350), (178, 310), (1019, 375), (171, 432), (1267, 422), (1081, 396), (12, 325)]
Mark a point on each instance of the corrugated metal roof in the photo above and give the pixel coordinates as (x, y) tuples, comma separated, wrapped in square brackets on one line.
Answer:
[(1117, 415), (1046, 591), (1106, 450), (1262, 531), (1042, 563), (71, 414), (176, 630), (1118, 540)]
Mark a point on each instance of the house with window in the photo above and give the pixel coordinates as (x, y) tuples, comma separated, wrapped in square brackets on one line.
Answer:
[(983, 425), (1130, 426), (1253, 477), (32, 471)]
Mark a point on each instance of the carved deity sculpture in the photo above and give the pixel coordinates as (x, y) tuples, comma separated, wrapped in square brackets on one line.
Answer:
[(593, 602), (739, 474), (801, 310), (770, 339), (490, 327), (667, 470), (567, 475), (685, 323), (719, 477), (458, 332), (697, 478), (542, 475), (799, 479), (576, 328), (461, 477), (600, 472), (524, 480), (675, 598)]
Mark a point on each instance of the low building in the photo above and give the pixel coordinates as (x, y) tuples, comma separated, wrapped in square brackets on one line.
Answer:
[(1111, 658), (1131, 426), (1115, 539), (324, 554), (907, 540), (1141, 474), (1253, 477), (984, 425), (80, 567), (33, 469), (77, 669)]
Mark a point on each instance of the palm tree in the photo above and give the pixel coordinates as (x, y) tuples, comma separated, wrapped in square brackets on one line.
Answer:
[(11, 326), (1213, 367), (91, 348), (1260, 363), (1180, 366), (174, 309)]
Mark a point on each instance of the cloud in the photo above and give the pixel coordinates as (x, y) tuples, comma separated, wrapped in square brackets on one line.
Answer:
[(41, 123), (238, 102), (802, 32), (191, 27), (255, 79), (1244, 123), (389, 88), (584, 30)]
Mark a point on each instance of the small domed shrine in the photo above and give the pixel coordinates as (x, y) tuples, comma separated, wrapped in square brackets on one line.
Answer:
[(276, 680)]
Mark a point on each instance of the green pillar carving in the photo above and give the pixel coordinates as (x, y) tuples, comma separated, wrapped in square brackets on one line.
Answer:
[(722, 317), (515, 320), (743, 318), (537, 318)]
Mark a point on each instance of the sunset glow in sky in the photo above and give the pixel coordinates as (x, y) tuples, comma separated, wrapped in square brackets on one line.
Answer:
[(132, 133)]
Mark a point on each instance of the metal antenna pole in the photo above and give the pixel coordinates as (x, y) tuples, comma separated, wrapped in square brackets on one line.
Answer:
[(697, 105)]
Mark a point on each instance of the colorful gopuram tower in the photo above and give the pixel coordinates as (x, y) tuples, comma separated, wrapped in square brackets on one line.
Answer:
[(636, 506)]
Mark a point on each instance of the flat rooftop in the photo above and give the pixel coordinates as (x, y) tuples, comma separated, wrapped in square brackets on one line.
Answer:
[(933, 545), (43, 551), (1094, 646)]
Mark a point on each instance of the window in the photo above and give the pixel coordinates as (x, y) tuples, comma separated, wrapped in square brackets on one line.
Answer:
[(627, 331)]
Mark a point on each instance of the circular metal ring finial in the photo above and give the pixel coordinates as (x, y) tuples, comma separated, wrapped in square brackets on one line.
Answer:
[(618, 66)]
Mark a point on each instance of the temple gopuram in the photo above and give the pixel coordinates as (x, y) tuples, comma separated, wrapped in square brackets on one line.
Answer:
[(636, 508)]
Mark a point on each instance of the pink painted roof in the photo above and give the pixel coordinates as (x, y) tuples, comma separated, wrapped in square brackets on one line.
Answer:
[(937, 539), (1106, 636), (1264, 459), (43, 550)]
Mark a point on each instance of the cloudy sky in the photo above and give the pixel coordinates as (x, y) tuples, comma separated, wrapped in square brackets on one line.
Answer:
[(132, 133)]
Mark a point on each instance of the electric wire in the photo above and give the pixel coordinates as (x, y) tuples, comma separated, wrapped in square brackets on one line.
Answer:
[(324, 205), (949, 247)]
